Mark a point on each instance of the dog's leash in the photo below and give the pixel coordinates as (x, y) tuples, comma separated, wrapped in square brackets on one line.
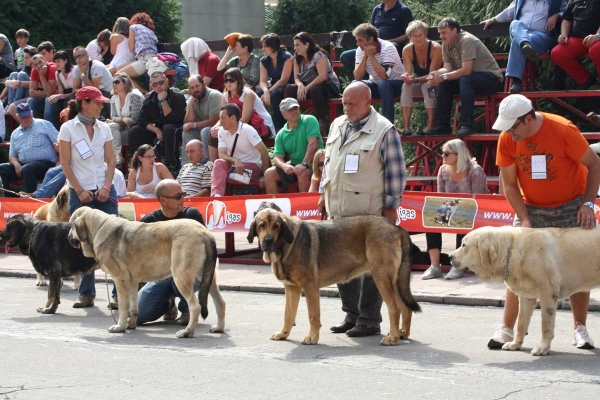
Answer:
[(112, 313), (23, 196)]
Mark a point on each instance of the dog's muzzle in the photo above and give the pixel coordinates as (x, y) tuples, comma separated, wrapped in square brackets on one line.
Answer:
[(268, 243), (75, 243)]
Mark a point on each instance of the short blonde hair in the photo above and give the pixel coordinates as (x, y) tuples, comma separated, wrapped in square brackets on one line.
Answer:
[(415, 26), (316, 171), (126, 81), (463, 157)]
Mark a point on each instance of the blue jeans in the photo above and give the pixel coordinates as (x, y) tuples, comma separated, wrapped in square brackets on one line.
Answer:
[(478, 83), (30, 174), (153, 300), (52, 111), (110, 206), (21, 92), (519, 33), (37, 106), (53, 181), (361, 301), (386, 90)]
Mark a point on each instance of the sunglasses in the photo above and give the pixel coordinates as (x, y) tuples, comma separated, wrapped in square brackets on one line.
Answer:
[(77, 57), (159, 83), (116, 82), (178, 196), (446, 153), (322, 163), (229, 80)]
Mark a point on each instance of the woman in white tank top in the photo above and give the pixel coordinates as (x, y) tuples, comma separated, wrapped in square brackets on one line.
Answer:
[(119, 46), (145, 173)]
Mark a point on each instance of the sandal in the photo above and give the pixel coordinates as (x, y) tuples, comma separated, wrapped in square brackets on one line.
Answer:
[(407, 133)]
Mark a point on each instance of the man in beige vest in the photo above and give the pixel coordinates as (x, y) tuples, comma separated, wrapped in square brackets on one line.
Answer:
[(364, 174)]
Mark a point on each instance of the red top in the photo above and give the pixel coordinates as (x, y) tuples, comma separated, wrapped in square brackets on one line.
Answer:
[(207, 67)]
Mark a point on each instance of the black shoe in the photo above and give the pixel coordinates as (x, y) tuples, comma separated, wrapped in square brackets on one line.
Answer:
[(439, 130), (516, 87), (529, 52), (363, 330), (342, 327), (588, 84), (464, 131)]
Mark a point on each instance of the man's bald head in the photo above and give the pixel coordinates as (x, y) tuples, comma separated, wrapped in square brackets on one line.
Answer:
[(167, 187), (356, 101), (194, 151)]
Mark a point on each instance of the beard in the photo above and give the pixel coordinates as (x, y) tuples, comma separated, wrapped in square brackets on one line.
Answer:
[(200, 95)]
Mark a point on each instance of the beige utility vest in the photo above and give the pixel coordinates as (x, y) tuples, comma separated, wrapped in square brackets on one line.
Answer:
[(360, 193)]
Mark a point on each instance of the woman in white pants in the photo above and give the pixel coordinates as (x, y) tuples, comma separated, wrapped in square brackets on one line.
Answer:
[(125, 106)]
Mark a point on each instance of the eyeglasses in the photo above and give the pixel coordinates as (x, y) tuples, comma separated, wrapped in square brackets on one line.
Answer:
[(116, 82), (149, 157), (229, 80), (79, 56), (178, 196), (159, 83), (516, 125), (446, 153)]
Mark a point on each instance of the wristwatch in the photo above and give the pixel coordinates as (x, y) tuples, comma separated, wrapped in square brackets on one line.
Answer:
[(163, 100), (445, 76), (82, 75), (589, 204), (305, 164)]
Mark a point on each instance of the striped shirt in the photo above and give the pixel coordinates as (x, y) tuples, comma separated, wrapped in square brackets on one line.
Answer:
[(145, 40), (195, 177), (34, 143), (387, 56)]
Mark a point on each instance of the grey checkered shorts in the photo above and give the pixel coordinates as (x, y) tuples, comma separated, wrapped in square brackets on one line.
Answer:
[(564, 216)]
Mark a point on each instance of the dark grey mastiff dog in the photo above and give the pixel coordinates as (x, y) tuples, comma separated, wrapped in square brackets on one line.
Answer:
[(313, 254), (48, 249), (134, 252)]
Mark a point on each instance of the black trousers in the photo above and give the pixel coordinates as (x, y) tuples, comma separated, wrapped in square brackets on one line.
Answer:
[(140, 135)]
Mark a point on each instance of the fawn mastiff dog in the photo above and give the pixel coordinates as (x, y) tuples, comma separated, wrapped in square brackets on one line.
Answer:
[(310, 255), (543, 263), (134, 252)]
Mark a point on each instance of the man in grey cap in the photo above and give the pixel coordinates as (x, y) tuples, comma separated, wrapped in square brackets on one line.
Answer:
[(551, 178), (299, 139)]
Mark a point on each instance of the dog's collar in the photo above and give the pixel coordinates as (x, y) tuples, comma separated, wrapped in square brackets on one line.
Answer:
[(508, 253)]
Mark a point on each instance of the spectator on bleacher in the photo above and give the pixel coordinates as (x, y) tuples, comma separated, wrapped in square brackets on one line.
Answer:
[(276, 68), (142, 42), (579, 36), (32, 151), (299, 139), (90, 73), (22, 38), (2, 123), (562, 196), (247, 62), (380, 59), (17, 85), (530, 33), (88, 162), (46, 49), (458, 174), (195, 175), (421, 56), (145, 173), (65, 74), (43, 85), (202, 114), (203, 62), (119, 46), (319, 161), (99, 48), (469, 70), (162, 114), (391, 18), (125, 107), (239, 146), (314, 78), (7, 57)]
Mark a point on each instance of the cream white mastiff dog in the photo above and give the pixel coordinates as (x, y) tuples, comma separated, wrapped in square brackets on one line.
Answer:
[(134, 252), (548, 264)]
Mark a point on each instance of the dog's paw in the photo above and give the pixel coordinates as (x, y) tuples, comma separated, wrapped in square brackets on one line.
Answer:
[(280, 336), (216, 329), (310, 340), (511, 346), (117, 329), (541, 350), (46, 310), (389, 341), (404, 334), (41, 282), (132, 325), (185, 333)]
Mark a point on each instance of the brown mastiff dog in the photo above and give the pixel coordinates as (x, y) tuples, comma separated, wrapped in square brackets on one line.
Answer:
[(310, 255)]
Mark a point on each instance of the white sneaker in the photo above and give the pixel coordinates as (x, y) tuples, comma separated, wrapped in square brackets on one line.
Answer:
[(435, 271), (502, 335), (454, 274), (581, 338)]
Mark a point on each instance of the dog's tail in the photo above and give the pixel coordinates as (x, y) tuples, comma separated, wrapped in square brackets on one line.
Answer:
[(403, 283), (208, 274)]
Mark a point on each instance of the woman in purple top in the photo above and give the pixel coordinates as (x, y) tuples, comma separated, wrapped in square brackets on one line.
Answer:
[(459, 174)]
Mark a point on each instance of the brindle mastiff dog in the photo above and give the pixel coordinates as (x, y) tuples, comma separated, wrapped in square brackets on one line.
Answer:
[(134, 252), (313, 254)]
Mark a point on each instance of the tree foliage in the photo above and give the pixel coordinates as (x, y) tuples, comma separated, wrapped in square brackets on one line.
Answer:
[(70, 23)]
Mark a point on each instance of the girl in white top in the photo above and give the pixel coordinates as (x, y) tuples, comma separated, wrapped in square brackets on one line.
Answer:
[(119, 46), (145, 173)]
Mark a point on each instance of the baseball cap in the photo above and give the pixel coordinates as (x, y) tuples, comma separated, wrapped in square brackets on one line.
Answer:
[(511, 108), (91, 93), (288, 103), (23, 110)]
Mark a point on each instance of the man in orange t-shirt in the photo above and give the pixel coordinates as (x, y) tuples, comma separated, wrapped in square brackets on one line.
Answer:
[(559, 177)]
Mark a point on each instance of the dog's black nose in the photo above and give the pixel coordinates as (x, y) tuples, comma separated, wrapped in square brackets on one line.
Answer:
[(268, 240)]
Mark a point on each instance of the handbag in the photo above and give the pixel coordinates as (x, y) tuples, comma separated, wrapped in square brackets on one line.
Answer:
[(308, 76), (256, 121)]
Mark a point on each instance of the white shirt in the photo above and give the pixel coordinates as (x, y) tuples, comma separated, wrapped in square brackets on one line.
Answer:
[(387, 57), (97, 70), (534, 13), (119, 182), (245, 149), (94, 50), (91, 172)]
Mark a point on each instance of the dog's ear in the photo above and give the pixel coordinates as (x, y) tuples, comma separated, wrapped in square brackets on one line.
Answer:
[(487, 251), (285, 231), (81, 229), (62, 199), (252, 231)]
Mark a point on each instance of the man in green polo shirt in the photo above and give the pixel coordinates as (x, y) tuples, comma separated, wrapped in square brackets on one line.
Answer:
[(299, 139)]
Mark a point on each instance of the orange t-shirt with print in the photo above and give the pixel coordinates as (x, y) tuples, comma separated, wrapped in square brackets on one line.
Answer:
[(563, 145)]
